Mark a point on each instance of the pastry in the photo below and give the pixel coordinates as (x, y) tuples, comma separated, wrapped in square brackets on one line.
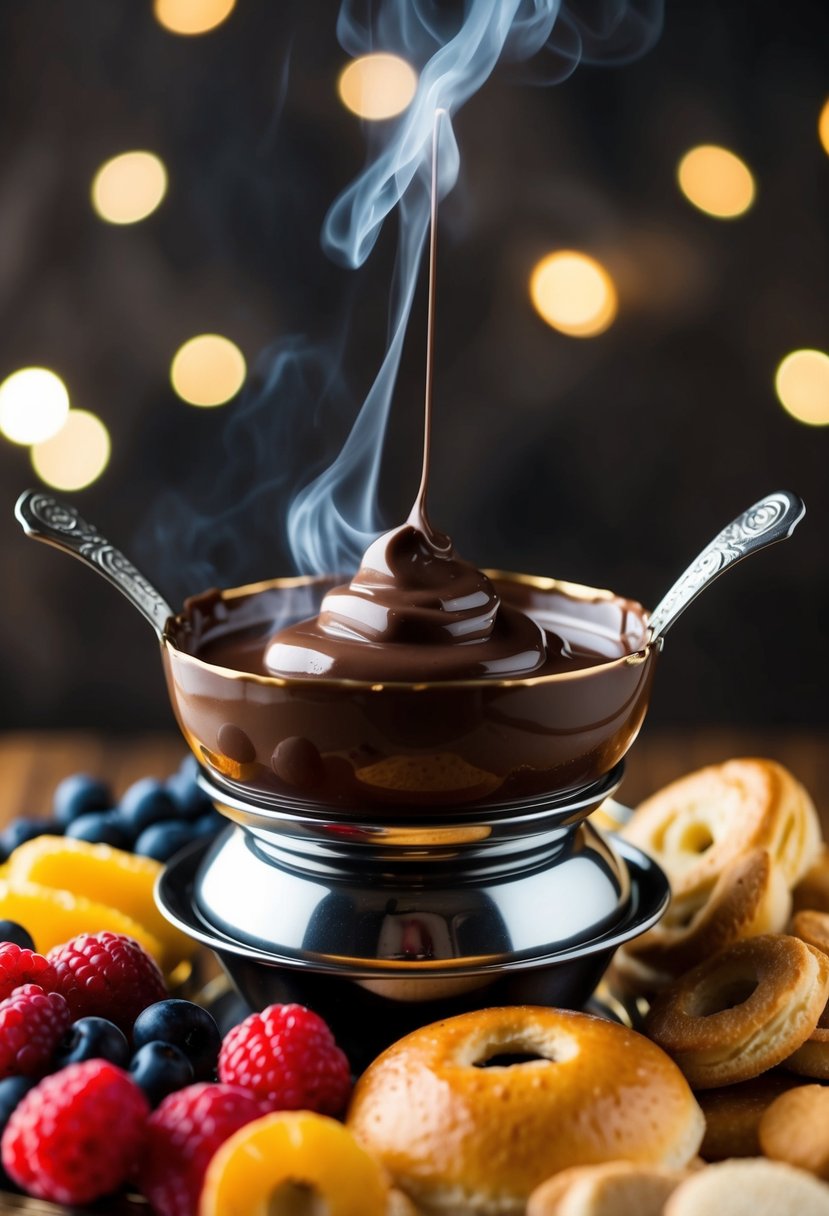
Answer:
[(699, 824), (472, 1113), (742, 1011)]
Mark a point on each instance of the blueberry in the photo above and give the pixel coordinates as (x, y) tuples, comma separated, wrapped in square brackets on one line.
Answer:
[(208, 824), (92, 1039), (145, 803), (21, 830), (12, 1090), (189, 767), (99, 827), (189, 799), (160, 1068), (184, 1025), (10, 931), (78, 795), (163, 839)]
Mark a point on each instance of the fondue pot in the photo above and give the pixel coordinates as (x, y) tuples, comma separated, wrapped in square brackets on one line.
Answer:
[(397, 852)]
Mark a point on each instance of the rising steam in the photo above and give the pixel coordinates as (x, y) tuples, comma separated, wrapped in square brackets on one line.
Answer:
[(455, 45), (456, 49)]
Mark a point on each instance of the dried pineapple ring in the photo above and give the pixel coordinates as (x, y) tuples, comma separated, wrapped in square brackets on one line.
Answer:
[(264, 1168)]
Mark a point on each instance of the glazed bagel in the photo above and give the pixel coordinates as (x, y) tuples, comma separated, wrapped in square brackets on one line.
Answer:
[(733, 1114), (616, 1189), (699, 824), (743, 1011), (750, 897), (749, 1188), (795, 1129), (458, 1131)]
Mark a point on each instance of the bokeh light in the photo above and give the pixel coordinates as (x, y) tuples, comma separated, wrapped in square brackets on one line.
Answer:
[(129, 187), (192, 16), (823, 126), (574, 293), (208, 370), (716, 181), (76, 456), (377, 86), (33, 405), (802, 384)]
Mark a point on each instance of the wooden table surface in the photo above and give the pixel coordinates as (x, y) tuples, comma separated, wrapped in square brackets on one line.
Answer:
[(31, 764)]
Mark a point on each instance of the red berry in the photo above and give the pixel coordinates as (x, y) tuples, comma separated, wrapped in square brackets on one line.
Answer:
[(32, 1023), (182, 1136), (77, 1135), (287, 1056), (19, 966), (107, 975)]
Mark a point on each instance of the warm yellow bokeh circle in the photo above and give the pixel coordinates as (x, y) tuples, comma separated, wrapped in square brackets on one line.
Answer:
[(377, 86), (208, 370), (574, 293), (716, 181)]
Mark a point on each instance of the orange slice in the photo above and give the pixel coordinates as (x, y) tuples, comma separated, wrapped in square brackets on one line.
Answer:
[(53, 917), (104, 875)]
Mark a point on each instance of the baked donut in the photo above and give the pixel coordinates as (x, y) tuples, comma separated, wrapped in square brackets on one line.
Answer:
[(795, 1129), (812, 927), (813, 889), (742, 1011), (812, 1059), (699, 824), (749, 1188), (733, 1114), (615, 1189), (461, 1125), (750, 897)]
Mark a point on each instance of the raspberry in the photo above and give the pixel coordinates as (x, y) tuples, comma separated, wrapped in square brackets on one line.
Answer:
[(182, 1136), (287, 1056), (32, 1023), (106, 975), (19, 966), (77, 1135)]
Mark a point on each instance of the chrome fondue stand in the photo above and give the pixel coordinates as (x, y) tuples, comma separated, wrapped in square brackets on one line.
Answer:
[(386, 925)]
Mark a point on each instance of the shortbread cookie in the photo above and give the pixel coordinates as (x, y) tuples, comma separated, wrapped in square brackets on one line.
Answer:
[(795, 1129), (749, 1188), (743, 1011)]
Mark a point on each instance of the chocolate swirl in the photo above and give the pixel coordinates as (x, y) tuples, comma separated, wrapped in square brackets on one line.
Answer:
[(414, 611)]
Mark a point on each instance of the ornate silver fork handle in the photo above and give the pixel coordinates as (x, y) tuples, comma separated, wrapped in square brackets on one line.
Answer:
[(46, 518), (771, 519)]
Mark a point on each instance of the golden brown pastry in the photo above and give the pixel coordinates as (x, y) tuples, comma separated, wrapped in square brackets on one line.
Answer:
[(795, 1129), (742, 1011), (733, 1114), (749, 1188), (618, 1188), (459, 1131), (699, 824), (750, 897), (812, 891)]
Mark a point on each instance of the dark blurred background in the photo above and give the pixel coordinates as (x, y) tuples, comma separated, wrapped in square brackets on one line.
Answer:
[(607, 460)]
